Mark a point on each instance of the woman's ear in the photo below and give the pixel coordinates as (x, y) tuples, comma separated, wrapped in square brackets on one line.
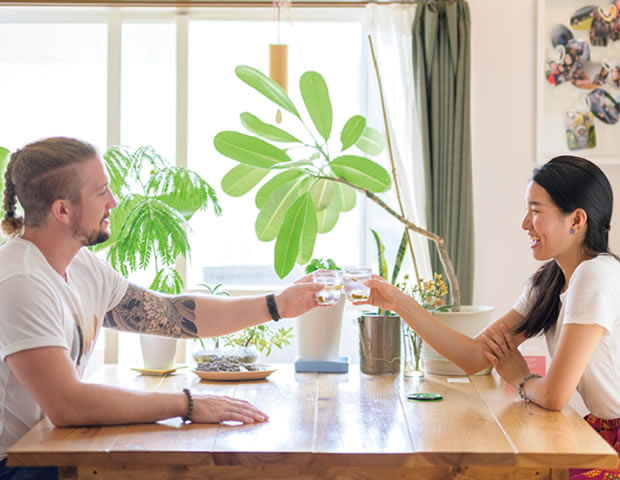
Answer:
[(579, 220)]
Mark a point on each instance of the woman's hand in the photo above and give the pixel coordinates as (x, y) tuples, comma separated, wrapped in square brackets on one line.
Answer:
[(501, 350), (383, 294), (216, 409)]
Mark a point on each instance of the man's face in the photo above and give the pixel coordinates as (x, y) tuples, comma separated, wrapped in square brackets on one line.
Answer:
[(90, 223)]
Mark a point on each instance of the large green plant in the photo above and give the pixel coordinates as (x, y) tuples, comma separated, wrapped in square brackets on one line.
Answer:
[(309, 185), (155, 202)]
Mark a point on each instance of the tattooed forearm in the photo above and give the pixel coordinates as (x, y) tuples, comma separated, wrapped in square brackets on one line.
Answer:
[(143, 311)]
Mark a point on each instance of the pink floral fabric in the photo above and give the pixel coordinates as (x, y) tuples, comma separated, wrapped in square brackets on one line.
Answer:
[(610, 431)]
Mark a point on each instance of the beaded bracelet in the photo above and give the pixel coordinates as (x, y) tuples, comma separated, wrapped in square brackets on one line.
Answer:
[(522, 384), (190, 406)]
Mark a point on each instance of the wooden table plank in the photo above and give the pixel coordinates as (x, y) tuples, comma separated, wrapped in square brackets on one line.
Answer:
[(457, 430), (540, 436), (289, 399), (360, 413)]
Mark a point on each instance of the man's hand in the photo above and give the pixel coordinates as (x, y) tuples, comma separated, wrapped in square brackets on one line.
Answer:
[(216, 409), (298, 298)]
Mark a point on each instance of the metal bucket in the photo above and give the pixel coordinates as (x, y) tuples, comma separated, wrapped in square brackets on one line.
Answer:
[(379, 343)]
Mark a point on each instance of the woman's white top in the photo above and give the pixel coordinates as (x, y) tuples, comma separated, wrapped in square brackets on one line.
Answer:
[(592, 297)]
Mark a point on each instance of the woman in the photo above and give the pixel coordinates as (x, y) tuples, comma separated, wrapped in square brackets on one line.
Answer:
[(574, 299)]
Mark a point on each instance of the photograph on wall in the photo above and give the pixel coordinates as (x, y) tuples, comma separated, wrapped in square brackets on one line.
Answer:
[(580, 130), (579, 79)]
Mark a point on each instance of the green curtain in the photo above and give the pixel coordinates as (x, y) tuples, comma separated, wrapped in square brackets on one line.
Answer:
[(441, 68)]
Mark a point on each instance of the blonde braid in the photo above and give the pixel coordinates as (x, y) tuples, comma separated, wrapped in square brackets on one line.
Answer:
[(11, 224)]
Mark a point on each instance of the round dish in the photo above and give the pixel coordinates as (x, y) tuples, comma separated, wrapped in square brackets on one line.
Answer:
[(233, 376)]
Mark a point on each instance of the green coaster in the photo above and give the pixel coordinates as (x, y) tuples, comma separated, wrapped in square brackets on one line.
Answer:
[(424, 397)]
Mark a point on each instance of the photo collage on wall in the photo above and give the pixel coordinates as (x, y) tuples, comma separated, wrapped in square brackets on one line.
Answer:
[(579, 55)]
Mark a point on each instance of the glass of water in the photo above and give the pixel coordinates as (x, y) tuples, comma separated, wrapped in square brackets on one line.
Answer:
[(332, 286), (354, 280)]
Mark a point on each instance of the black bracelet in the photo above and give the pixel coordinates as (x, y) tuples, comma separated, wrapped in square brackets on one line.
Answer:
[(190, 406), (273, 308)]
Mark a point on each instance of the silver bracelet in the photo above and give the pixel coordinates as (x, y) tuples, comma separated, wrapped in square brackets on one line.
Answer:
[(522, 384)]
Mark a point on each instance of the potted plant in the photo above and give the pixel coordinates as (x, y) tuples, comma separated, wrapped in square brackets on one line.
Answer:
[(318, 330), (308, 191), (380, 332), (149, 226)]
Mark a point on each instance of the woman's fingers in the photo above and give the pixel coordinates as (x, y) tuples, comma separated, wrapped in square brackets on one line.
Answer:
[(492, 345), (508, 336), (498, 338), (491, 358)]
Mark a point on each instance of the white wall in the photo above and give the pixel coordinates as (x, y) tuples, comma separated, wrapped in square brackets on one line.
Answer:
[(503, 92)]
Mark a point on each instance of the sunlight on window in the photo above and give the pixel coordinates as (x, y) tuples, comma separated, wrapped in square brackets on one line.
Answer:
[(53, 82)]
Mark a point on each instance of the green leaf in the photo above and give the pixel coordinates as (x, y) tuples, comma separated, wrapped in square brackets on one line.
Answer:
[(308, 235), (372, 142), (265, 85), (183, 190), (118, 161), (362, 172), (167, 280), (272, 214), (322, 194), (347, 196), (5, 155), (241, 179), (400, 255), (352, 131), (273, 184), (316, 98), (288, 241), (249, 150), (297, 164), (383, 269), (265, 130), (328, 217)]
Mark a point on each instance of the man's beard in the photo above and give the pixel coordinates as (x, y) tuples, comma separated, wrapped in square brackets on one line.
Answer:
[(93, 237)]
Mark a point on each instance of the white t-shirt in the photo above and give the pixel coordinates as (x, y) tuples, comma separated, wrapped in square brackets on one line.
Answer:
[(592, 297), (39, 309)]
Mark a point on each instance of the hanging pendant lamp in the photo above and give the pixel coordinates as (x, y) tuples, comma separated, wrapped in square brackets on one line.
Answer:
[(278, 55)]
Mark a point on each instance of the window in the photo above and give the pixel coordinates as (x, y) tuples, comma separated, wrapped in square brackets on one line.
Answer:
[(64, 75)]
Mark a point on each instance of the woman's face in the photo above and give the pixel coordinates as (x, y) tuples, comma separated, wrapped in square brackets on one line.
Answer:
[(548, 228)]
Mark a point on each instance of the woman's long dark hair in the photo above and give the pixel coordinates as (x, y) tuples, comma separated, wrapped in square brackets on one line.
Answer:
[(572, 183)]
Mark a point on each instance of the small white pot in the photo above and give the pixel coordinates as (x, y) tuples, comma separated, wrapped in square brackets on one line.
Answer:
[(469, 321), (158, 352), (318, 333)]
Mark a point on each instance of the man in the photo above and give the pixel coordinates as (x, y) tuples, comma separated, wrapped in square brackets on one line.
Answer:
[(56, 295)]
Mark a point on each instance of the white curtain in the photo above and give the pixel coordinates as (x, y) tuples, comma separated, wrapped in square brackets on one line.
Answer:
[(390, 27)]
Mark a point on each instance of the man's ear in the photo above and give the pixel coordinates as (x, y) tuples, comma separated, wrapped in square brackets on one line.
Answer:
[(62, 210)]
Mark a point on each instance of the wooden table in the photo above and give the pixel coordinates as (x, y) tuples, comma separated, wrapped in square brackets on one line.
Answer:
[(329, 426)]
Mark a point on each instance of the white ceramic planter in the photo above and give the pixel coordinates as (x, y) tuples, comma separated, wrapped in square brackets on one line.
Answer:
[(469, 321), (158, 352), (318, 333)]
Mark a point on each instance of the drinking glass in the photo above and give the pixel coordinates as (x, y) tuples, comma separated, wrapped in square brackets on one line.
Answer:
[(354, 279), (332, 286)]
